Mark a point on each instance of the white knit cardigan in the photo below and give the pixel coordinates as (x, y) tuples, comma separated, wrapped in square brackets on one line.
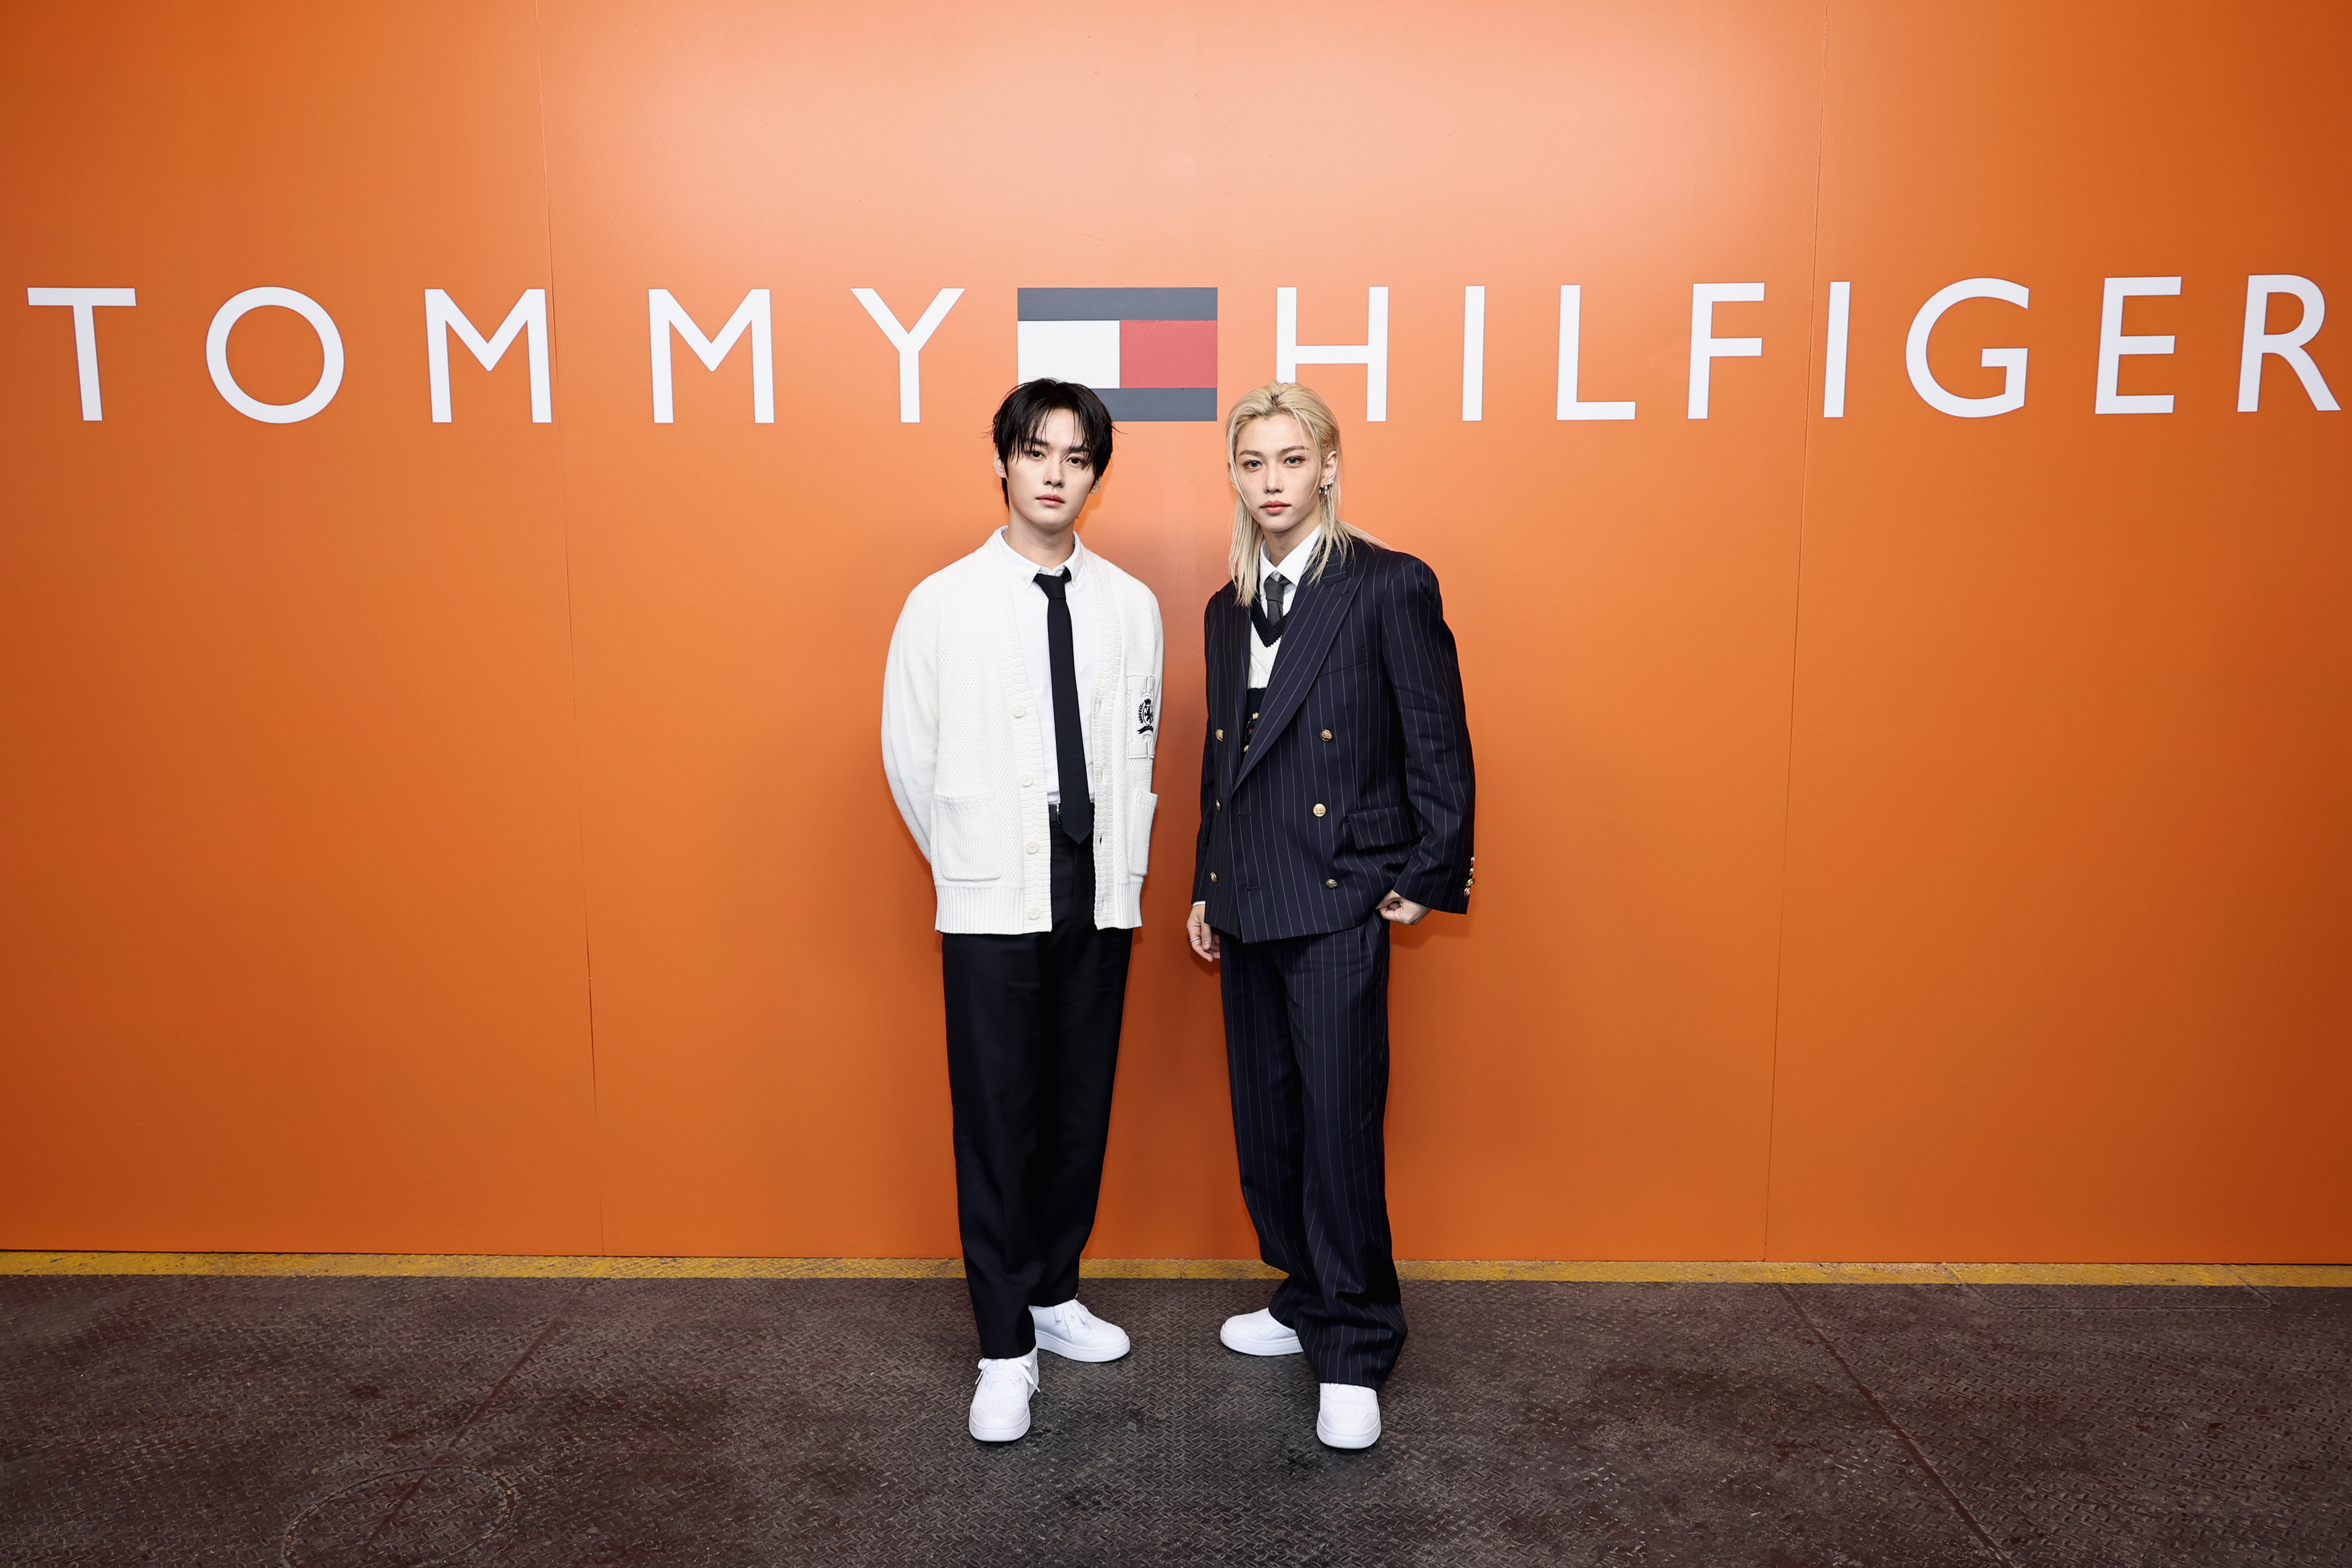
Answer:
[(966, 761)]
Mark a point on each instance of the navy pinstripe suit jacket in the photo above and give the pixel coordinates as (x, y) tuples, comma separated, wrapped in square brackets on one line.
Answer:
[(1358, 779)]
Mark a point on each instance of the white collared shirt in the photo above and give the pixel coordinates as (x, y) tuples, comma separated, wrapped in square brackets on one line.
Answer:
[(1260, 654), (1029, 605)]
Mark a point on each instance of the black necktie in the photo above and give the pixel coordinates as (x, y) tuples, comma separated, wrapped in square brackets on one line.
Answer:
[(1070, 740), (1266, 612)]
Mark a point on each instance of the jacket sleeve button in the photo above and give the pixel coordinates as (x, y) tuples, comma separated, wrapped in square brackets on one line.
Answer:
[(1318, 808)]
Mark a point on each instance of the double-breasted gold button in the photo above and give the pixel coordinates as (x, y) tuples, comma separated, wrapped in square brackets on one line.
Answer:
[(1221, 734), (1326, 735), (1212, 876), (1318, 808), (1330, 882)]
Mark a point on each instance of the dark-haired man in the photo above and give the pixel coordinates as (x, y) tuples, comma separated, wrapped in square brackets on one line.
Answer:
[(1019, 718)]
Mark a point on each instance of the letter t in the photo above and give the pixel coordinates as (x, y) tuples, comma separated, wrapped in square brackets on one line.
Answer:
[(84, 302)]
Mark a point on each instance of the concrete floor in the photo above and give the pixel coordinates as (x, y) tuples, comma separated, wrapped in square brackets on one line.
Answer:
[(400, 1423)]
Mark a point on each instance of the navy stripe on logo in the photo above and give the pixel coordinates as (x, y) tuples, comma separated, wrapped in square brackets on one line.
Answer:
[(1119, 305), (1142, 405)]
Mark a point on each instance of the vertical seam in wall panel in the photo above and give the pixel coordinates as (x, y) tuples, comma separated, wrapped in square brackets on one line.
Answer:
[(571, 631), (1796, 619)]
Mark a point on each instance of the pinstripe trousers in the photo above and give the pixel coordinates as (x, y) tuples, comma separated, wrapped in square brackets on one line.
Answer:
[(1307, 1045)]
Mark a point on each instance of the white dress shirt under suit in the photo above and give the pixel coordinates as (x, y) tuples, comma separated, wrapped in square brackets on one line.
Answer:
[(1262, 653)]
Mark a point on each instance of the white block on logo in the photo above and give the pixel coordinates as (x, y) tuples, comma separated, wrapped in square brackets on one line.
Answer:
[(1085, 352)]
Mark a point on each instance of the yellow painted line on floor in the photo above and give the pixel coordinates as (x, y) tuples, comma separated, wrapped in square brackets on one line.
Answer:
[(2295, 1274), (473, 1266), (1730, 1272), (1172, 1269)]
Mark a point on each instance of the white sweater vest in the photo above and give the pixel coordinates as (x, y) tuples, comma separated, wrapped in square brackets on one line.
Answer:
[(966, 761)]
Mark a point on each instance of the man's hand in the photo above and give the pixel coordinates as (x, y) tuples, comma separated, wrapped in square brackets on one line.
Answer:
[(1197, 930), (1398, 908)]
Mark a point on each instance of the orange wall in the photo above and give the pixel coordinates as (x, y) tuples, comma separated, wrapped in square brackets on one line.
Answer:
[(1903, 836)]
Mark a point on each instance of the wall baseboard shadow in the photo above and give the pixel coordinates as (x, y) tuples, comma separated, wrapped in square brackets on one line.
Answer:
[(473, 1266)]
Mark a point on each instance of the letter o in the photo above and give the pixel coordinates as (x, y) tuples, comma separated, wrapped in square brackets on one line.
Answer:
[(330, 373), (2011, 363)]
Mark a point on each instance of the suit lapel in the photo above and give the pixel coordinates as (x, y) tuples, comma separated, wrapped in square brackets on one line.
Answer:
[(1233, 643), (1306, 638)]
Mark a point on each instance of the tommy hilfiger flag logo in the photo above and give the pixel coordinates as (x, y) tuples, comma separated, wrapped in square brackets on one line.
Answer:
[(1150, 353)]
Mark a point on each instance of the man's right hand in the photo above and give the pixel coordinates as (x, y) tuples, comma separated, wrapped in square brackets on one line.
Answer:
[(1197, 929)]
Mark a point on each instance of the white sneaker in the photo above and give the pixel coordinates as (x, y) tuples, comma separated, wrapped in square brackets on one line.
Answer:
[(1258, 1334), (1350, 1418), (1000, 1405), (1071, 1332)]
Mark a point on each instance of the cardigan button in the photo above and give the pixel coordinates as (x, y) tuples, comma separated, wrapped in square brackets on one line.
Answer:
[(1033, 912), (1032, 846), (1025, 781), (1020, 711)]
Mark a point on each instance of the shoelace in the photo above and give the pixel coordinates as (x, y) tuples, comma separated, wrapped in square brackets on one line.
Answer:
[(1005, 1371)]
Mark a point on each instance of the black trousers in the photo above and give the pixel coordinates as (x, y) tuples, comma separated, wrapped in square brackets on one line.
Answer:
[(1307, 1044), (1033, 1042)]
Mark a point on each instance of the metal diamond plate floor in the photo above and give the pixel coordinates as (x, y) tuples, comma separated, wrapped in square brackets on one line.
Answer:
[(417, 1423)]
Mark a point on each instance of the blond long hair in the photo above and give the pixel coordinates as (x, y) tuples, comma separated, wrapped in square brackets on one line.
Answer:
[(1314, 417)]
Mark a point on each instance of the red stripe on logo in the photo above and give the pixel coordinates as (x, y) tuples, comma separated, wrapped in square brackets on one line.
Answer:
[(1167, 353)]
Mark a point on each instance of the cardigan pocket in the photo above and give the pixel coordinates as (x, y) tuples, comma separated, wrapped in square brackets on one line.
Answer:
[(964, 840), (1142, 806)]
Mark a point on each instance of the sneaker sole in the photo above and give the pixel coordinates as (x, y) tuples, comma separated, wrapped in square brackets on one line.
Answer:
[(1361, 1440), (999, 1434), (1261, 1346), (1069, 1349)]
